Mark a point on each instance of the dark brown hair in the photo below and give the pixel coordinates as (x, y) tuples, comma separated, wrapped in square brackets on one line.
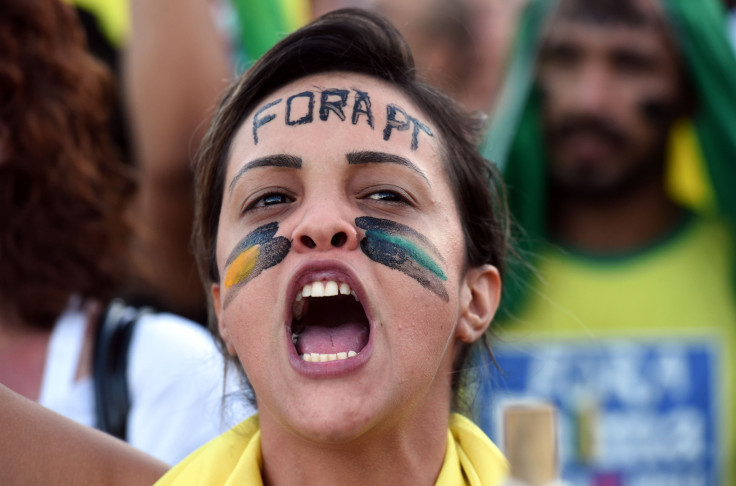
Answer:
[(63, 190), (358, 42)]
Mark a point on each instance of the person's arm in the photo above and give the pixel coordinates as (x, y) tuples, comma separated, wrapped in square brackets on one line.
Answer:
[(38, 446), (175, 66)]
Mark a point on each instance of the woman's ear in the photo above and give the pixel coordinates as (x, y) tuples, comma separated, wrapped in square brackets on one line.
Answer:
[(221, 327), (480, 295)]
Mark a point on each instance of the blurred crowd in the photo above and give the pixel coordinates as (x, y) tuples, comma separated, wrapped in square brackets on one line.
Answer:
[(613, 122)]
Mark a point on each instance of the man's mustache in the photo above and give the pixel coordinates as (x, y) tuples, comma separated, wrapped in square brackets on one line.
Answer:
[(597, 126)]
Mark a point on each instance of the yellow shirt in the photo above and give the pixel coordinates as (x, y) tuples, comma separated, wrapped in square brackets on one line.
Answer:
[(235, 458)]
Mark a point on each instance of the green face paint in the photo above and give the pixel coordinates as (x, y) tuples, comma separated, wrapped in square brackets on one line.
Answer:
[(255, 253), (399, 247)]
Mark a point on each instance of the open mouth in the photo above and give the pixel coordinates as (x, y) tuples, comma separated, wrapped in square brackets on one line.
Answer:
[(328, 323)]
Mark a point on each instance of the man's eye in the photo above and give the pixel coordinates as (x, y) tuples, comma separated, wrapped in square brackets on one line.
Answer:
[(387, 196), (633, 63), (561, 55), (269, 199)]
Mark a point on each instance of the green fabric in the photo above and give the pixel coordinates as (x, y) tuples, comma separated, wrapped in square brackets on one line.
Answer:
[(519, 79), (515, 143), (262, 23)]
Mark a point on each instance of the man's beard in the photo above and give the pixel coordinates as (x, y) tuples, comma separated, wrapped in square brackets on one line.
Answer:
[(585, 183), (582, 184)]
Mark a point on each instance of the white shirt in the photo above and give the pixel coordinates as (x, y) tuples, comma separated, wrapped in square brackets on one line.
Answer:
[(175, 377)]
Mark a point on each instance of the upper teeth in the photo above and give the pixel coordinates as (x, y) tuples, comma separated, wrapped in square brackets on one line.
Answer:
[(327, 288)]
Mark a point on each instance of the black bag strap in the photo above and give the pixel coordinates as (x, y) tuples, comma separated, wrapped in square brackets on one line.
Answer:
[(110, 366)]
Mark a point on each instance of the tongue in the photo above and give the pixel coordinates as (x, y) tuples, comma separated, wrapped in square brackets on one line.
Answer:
[(330, 340)]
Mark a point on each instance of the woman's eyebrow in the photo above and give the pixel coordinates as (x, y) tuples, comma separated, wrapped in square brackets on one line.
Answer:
[(278, 160), (370, 157)]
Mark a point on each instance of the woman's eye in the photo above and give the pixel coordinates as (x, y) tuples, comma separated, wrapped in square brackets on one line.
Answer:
[(387, 196), (269, 199)]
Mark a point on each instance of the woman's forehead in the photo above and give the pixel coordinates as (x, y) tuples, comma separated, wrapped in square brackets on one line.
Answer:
[(337, 107)]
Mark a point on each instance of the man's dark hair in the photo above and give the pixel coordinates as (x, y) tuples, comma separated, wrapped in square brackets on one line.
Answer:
[(610, 12), (355, 41)]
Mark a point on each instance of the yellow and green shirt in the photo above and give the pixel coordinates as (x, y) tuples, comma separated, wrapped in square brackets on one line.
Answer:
[(638, 352)]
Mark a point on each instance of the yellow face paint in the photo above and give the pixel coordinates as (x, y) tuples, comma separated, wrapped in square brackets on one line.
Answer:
[(258, 251), (241, 267)]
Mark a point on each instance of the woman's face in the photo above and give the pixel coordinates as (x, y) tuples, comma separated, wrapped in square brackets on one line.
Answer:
[(340, 252)]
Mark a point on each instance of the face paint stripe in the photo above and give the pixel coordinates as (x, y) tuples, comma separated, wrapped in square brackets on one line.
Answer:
[(386, 253), (258, 251), (241, 266), (391, 227), (399, 247), (412, 250), (258, 236)]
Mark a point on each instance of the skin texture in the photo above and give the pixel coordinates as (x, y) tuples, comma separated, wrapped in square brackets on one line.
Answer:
[(393, 408), (611, 93), (170, 41), (59, 451)]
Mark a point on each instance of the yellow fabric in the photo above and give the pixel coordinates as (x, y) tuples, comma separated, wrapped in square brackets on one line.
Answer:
[(589, 295), (470, 458), (296, 12), (681, 288), (687, 180), (112, 15), (234, 458)]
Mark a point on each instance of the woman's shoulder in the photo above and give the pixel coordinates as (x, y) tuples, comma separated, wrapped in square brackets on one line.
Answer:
[(233, 456)]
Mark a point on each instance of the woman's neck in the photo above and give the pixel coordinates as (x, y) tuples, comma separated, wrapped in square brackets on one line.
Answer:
[(410, 453)]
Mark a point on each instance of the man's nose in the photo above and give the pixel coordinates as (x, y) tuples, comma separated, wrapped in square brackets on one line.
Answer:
[(591, 90), (324, 227)]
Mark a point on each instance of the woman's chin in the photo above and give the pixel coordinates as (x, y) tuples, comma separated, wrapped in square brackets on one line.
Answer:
[(333, 425), (335, 421)]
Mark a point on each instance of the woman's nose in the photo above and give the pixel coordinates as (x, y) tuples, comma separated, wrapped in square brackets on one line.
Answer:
[(324, 229)]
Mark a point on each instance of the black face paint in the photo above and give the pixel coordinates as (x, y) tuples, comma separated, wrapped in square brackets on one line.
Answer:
[(399, 247), (259, 122), (394, 123), (362, 105), (308, 116), (326, 106), (255, 253), (656, 110)]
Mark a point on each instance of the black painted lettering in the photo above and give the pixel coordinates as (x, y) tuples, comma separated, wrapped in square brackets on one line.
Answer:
[(335, 105), (403, 123), (308, 116), (393, 123), (415, 132), (259, 122), (362, 106)]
